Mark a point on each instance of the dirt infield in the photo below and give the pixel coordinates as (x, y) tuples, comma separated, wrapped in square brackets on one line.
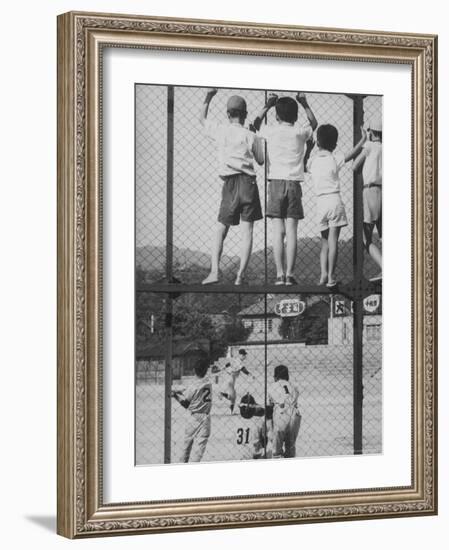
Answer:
[(325, 403)]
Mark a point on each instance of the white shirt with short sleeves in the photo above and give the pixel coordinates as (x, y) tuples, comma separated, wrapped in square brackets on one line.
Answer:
[(285, 150), (237, 148), (324, 168), (199, 395), (372, 167)]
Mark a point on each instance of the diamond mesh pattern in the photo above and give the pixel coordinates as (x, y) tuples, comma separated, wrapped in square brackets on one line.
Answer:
[(181, 328)]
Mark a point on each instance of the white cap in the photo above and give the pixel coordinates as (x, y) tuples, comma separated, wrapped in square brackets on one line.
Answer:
[(375, 123)]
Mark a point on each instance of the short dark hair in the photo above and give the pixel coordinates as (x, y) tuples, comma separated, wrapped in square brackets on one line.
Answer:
[(242, 351), (201, 366), (287, 109), (237, 113), (281, 373), (327, 136)]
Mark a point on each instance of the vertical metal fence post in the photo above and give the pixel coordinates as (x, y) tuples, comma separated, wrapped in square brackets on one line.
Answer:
[(339, 408), (265, 183), (358, 281), (169, 276), (265, 389)]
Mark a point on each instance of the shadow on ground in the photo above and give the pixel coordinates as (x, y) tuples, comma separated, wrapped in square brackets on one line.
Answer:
[(46, 522)]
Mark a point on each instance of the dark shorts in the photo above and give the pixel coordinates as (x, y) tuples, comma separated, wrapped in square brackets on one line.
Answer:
[(239, 200), (285, 199)]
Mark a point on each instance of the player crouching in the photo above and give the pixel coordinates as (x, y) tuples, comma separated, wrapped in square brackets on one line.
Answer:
[(253, 434), (197, 399)]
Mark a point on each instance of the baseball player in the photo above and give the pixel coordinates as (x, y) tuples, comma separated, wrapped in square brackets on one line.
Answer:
[(197, 399), (232, 371), (253, 432), (283, 396)]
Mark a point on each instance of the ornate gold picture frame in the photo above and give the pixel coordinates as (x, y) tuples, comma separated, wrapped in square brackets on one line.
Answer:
[(82, 509)]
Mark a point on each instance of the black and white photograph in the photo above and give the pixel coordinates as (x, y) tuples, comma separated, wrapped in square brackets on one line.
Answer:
[(258, 274), (207, 341), (238, 344)]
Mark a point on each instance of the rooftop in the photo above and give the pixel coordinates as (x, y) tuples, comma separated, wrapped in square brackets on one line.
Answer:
[(258, 308)]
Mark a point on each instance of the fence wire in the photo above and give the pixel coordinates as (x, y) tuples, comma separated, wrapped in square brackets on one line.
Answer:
[(316, 345), (151, 181)]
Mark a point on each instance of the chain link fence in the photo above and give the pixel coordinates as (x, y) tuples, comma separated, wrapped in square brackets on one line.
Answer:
[(175, 329), (151, 182)]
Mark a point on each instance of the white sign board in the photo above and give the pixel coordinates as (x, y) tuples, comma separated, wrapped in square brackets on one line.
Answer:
[(290, 308)]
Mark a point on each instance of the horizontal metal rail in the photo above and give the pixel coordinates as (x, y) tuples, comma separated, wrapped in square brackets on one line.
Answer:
[(350, 290)]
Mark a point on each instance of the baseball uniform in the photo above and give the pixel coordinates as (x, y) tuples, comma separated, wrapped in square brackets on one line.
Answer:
[(249, 439), (199, 396), (286, 418)]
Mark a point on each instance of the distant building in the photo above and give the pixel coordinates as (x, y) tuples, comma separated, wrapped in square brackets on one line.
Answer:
[(150, 359), (309, 327), (341, 320), (325, 320)]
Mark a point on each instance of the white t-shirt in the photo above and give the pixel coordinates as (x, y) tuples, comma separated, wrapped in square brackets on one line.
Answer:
[(199, 394), (324, 168), (237, 148), (285, 150), (372, 167)]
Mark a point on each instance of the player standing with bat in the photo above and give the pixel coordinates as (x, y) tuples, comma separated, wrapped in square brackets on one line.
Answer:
[(197, 399), (283, 396)]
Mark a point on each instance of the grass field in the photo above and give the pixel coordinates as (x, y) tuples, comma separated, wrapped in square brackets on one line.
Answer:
[(325, 402)]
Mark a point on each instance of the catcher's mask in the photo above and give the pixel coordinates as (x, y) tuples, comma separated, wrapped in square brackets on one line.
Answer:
[(247, 406)]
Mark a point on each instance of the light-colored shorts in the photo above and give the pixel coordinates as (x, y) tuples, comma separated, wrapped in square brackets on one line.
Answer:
[(330, 211), (372, 203)]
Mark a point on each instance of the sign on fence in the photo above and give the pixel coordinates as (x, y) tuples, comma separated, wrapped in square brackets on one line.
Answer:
[(289, 307), (371, 304)]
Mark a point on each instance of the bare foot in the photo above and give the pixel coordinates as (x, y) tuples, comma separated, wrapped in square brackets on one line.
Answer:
[(323, 280), (239, 279), (211, 279)]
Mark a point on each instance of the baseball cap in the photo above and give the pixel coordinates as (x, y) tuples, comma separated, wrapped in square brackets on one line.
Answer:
[(375, 123), (236, 102), (281, 372)]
